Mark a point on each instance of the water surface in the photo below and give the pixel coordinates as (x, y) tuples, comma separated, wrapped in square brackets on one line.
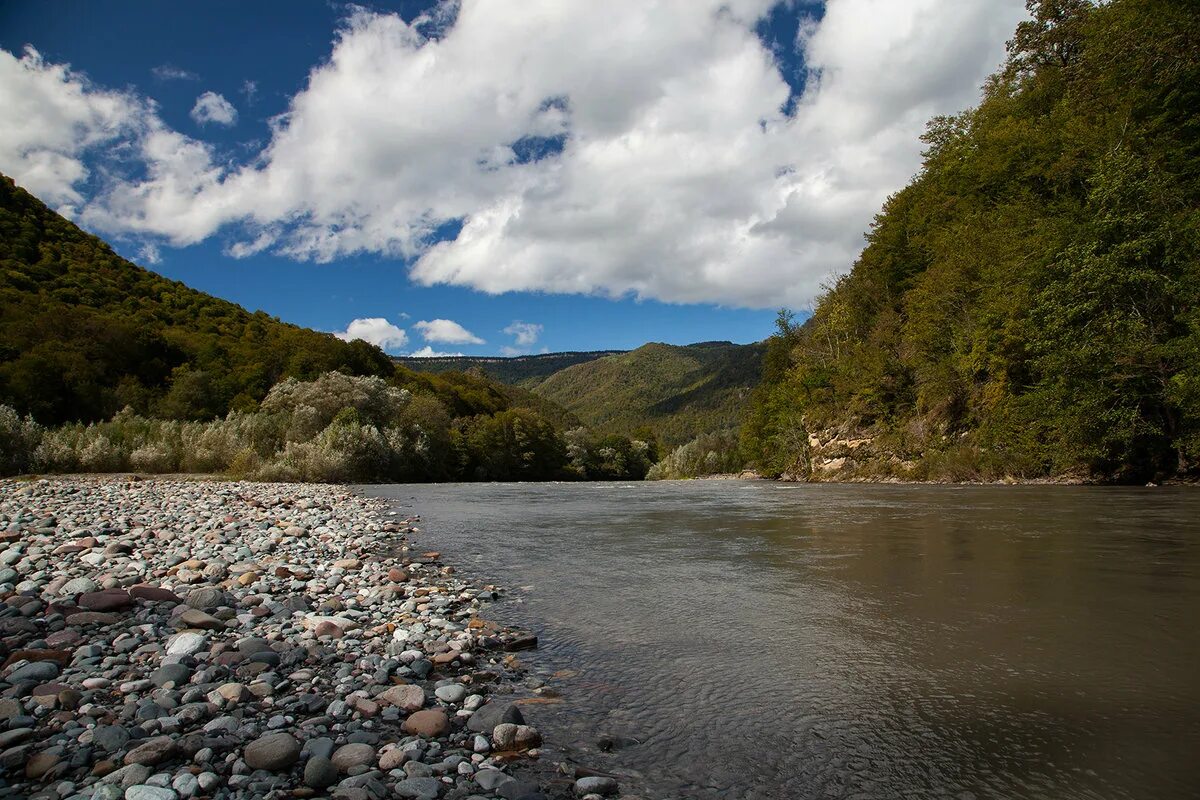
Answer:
[(762, 640)]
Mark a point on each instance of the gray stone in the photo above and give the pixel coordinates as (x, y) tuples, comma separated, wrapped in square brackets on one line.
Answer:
[(320, 773), (493, 714), (110, 738), (491, 779), (596, 785), (174, 674), (144, 792), (206, 597), (274, 752), (353, 755), (187, 643), (451, 693), (34, 671), (418, 788)]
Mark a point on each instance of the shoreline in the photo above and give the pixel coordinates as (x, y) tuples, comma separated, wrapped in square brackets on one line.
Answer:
[(185, 637)]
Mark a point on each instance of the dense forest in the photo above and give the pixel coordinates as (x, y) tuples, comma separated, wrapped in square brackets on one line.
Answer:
[(670, 393), (105, 366), (524, 371), (1027, 306)]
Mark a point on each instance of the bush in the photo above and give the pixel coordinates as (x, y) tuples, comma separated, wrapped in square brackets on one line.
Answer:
[(708, 454), (19, 439)]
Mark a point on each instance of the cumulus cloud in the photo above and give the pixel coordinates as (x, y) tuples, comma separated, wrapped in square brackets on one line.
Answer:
[(212, 107), (525, 333), (611, 148), (429, 352), (376, 330), (52, 117), (447, 331)]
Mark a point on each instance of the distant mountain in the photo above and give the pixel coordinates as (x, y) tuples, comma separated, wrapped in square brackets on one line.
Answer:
[(525, 371), (676, 391)]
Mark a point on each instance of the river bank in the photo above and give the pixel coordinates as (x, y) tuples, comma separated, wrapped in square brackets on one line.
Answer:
[(173, 639)]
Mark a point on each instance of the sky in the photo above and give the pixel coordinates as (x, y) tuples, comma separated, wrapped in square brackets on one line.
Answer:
[(487, 177)]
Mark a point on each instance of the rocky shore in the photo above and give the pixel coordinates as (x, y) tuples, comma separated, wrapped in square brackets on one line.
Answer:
[(164, 640)]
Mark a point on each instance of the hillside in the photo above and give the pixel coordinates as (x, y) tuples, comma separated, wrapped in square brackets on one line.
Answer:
[(84, 333), (678, 392), (1029, 306), (525, 371)]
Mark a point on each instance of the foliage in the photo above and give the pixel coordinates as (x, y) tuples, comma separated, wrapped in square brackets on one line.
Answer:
[(671, 392), (1028, 305), (84, 333), (708, 454), (608, 458), (524, 371)]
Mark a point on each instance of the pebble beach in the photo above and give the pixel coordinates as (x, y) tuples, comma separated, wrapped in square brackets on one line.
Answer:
[(171, 639)]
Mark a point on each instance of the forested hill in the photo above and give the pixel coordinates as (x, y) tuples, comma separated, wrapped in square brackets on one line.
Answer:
[(524, 371), (1028, 305), (85, 333), (677, 392)]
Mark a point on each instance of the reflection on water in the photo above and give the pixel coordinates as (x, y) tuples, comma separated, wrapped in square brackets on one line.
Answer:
[(763, 640)]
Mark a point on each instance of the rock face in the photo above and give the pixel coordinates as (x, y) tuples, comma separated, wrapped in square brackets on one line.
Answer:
[(168, 640), (274, 752)]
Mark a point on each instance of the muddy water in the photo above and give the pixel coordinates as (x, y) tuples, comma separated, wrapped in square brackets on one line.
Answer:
[(758, 640)]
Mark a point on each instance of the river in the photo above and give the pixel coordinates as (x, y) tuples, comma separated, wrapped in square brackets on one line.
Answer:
[(749, 639)]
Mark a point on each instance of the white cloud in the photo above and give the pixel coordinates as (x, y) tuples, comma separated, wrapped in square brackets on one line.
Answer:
[(376, 330), (52, 116), (447, 331), (679, 178), (429, 352), (169, 72), (250, 90), (212, 107), (526, 333), (150, 253)]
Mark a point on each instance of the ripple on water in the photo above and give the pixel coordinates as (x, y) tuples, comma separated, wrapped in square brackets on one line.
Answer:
[(757, 640)]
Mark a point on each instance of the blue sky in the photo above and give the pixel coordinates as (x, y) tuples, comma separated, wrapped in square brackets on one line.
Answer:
[(667, 177)]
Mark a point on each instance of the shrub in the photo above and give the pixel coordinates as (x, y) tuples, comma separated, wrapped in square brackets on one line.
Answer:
[(19, 439)]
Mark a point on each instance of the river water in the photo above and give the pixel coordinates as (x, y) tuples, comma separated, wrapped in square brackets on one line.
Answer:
[(763, 640)]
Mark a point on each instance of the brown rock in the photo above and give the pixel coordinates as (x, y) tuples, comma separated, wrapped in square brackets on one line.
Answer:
[(247, 578), (397, 575), (195, 618), (38, 765), (353, 755), (328, 628), (152, 751), (62, 657), (430, 723), (106, 600), (407, 698), (157, 594)]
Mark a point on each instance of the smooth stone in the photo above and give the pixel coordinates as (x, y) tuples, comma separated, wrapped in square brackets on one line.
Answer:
[(407, 697), (174, 674), (429, 723), (151, 752), (35, 671), (418, 788), (451, 693), (353, 755), (187, 643), (320, 773), (274, 752), (144, 792), (596, 785), (493, 714), (206, 597)]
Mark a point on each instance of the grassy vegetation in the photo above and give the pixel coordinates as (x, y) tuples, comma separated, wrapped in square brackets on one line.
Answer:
[(666, 391), (1030, 304)]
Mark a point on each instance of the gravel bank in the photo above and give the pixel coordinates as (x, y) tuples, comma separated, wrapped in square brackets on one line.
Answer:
[(170, 639)]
